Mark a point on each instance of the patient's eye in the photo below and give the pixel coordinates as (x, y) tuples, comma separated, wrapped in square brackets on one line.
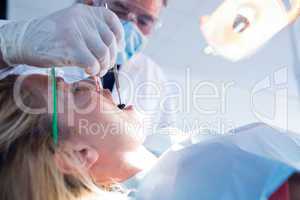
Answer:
[(77, 88), (83, 86), (83, 92)]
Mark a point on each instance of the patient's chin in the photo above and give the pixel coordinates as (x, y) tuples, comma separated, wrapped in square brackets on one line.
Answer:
[(135, 126)]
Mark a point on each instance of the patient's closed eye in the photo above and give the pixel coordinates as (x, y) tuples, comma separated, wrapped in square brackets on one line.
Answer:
[(83, 86), (83, 92), (77, 89)]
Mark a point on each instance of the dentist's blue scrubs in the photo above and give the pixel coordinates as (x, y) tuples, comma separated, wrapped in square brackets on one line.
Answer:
[(250, 164)]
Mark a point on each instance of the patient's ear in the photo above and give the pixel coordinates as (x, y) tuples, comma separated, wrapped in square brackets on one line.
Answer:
[(80, 156), (87, 155)]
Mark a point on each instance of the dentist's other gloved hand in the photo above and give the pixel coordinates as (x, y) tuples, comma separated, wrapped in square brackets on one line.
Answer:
[(84, 36)]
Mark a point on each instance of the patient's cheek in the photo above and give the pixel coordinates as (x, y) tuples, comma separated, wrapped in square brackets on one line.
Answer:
[(83, 100)]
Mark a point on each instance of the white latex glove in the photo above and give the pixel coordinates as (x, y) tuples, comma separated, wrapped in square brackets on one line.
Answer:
[(84, 36)]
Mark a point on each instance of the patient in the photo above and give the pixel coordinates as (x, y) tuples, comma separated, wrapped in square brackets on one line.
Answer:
[(32, 167)]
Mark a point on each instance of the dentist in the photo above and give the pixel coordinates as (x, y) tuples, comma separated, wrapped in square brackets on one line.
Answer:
[(83, 36), (91, 37)]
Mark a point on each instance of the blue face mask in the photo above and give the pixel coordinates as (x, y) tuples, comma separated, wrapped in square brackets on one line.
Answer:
[(135, 42)]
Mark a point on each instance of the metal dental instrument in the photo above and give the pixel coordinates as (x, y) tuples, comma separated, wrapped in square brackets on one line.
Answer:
[(117, 81), (96, 78)]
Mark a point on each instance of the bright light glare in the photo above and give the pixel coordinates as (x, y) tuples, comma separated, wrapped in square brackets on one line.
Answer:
[(140, 159), (258, 21)]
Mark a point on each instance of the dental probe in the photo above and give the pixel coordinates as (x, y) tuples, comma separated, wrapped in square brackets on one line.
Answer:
[(116, 75), (117, 81), (96, 78)]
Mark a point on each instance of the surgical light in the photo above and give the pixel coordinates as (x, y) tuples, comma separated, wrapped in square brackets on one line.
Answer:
[(238, 28)]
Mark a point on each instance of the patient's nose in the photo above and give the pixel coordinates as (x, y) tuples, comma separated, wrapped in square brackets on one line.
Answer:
[(107, 94)]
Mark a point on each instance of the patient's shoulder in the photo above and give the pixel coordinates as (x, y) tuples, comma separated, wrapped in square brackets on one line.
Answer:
[(252, 126), (262, 127), (257, 138)]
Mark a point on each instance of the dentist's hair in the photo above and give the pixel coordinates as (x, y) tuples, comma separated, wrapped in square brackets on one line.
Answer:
[(28, 169)]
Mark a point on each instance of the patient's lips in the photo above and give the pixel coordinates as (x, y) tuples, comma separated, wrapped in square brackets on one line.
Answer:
[(129, 108), (108, 95)]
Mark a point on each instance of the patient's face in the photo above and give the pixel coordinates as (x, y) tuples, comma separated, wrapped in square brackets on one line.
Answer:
[(91, 118)]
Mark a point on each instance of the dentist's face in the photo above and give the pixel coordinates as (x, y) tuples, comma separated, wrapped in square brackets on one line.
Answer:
[(147, 12), (91, 119)]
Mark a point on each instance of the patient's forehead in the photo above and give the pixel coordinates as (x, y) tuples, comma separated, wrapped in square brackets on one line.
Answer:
[(34, 82), (40, 84), (38, 81)]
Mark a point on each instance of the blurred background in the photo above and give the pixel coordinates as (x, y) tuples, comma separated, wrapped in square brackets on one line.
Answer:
[(260, 89)]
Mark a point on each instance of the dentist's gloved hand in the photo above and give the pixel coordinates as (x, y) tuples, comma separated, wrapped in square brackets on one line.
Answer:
[(84, 36)]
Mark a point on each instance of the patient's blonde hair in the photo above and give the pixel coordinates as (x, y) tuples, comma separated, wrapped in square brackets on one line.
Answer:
[(28, 169)]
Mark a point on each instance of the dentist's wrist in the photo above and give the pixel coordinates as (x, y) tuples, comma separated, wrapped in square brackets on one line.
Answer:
[(3, 64), (11, 42)]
